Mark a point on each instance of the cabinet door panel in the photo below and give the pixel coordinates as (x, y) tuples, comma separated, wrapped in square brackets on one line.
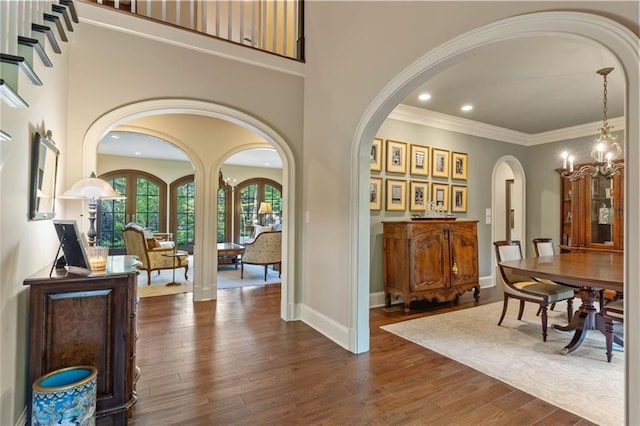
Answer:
[(427, 261), (464, 255)]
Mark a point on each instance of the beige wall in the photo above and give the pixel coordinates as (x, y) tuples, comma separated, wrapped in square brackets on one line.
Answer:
[(26, 246)]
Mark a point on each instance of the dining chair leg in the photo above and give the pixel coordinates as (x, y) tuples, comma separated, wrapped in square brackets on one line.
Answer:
[(569, 310), (149, 276), (242, 270), (521, 311), (504, 308), (608, 334), (265, 272), (544, 322)]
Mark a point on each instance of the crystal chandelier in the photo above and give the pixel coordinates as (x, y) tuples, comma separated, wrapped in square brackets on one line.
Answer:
[(606, 150)]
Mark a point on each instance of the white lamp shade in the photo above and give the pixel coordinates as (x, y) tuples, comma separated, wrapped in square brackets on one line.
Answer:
[(92, 188)]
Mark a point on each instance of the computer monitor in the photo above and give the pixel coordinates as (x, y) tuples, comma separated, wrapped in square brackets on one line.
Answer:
[(73, 246)]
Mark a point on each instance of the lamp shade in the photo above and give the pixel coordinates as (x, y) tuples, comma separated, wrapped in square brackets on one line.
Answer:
[(92, 188), (265, 208)]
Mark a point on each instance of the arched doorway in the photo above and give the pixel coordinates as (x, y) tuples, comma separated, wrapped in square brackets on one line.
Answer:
[(611, 35), (508, 201), (205, 247)]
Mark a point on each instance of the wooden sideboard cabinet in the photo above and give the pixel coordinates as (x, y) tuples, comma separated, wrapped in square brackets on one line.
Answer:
[(88, 320), (430, 259), (592, 214)]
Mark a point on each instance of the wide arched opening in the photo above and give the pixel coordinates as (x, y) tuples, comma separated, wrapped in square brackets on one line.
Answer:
[(204, 286), (612, 36)]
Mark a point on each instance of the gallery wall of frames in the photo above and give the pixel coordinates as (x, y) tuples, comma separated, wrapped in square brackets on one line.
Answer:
[(415, 175)]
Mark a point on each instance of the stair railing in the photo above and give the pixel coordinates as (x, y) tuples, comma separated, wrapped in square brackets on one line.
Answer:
[(274, 26)]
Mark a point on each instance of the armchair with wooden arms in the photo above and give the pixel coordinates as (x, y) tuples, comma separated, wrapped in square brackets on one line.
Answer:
[(265, 249), (141, 243), (528, 289)]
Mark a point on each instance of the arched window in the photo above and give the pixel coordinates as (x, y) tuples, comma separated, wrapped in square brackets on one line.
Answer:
[(145, 204), (248, 196), (182, 218)]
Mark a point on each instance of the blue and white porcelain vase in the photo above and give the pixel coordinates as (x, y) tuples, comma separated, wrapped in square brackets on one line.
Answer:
[(65, 397)]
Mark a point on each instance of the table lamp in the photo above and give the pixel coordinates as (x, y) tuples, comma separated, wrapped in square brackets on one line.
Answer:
[(92, 189), (265, 208)]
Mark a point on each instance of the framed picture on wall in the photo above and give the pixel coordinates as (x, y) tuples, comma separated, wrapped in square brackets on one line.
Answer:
[(396, 195), (440, 195), (439, 163), (375, 159), (375, 193), (396, 157), (458, 199), (419, 160), (419, 194), (459, 165)]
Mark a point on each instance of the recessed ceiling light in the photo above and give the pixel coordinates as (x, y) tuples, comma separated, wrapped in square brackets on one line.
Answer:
[(424, 97), (466, 108), (137, 153), (266, 164), (114, 136)]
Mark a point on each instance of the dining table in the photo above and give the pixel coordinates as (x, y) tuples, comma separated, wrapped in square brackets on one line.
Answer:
[(588, 272)]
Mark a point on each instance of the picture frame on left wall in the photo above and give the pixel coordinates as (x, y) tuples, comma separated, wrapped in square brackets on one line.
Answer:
[(375, 159), (440, 195), (396, 193), (375, 194), (396, 157), (419, 196), (458, 199)]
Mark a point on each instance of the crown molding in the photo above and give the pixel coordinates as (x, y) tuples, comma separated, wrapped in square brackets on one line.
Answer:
[(579, 131), (441, 121)]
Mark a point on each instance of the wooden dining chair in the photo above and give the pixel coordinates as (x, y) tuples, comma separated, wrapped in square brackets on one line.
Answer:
[(545, 247), (528, 289), (612, 311)]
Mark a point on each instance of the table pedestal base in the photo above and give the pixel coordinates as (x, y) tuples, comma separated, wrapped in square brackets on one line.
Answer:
[(584, 319)]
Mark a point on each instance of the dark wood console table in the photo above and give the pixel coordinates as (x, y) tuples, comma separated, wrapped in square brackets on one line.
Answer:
[(88, 320)]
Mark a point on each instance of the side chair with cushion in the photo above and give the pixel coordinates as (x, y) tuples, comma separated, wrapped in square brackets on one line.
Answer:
[(141, 243), (612, 311), (528, 289), (545, 247), (265, 249)]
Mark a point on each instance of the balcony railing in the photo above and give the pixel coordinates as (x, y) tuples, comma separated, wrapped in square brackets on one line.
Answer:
[(275, 26)]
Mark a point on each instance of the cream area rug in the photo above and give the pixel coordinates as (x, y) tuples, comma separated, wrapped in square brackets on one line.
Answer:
[(582, 382), (228, 277)]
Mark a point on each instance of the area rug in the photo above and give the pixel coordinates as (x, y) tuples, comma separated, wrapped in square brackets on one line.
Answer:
[(581, 382), (228, 277), (163, 290)]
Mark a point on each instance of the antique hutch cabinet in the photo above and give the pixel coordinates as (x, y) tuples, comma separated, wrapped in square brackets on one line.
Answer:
[(592, 214), (430, 259)]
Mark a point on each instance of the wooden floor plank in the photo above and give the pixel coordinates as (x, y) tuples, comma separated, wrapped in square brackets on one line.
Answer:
[(234, 361)]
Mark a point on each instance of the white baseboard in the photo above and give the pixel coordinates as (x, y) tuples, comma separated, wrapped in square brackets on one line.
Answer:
[(486, 282), (327, 326), (22, 420), (376, 299)]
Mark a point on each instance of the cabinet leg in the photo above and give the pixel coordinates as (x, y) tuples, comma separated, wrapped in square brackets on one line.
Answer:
[(387, 300), (476, 293), (407, 307)]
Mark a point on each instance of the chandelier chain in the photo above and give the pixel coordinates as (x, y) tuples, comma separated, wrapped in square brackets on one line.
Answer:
[(604, 102)]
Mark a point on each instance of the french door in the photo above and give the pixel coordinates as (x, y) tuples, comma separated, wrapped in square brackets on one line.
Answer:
[(183, 201), (145, 204), (248, 196)]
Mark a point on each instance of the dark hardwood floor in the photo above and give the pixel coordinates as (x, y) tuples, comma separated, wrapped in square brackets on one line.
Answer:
[(234, 361)]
